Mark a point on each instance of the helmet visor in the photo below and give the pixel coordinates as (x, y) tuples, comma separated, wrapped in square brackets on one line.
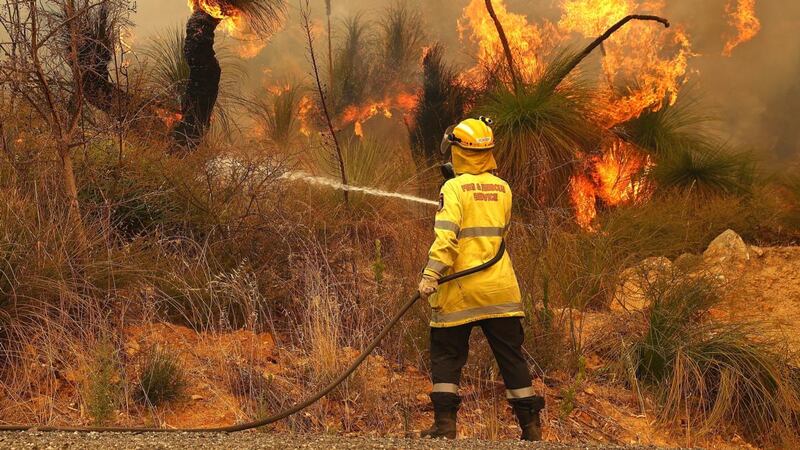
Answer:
[(446, 142)]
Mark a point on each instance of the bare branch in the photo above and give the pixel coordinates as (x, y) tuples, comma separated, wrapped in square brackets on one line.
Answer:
[(504, 41), (306, 14)]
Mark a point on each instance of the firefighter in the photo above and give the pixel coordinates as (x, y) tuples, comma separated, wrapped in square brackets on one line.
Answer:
[(472, 220)]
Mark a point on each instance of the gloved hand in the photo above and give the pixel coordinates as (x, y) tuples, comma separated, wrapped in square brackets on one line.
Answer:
[(427, 286)]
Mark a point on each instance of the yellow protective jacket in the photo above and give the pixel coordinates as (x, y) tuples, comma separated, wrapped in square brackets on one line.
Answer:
[(473, 218)]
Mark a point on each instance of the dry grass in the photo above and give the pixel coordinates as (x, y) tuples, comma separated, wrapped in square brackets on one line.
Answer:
[(217, 242), (708, 375)]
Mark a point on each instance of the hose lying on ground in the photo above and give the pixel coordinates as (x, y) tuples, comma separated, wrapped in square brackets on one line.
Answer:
[(294, 409)]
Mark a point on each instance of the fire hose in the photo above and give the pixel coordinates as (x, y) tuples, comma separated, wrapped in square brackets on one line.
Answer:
[(290, 411)]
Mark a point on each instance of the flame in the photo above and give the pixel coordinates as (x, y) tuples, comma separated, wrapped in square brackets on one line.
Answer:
[(234, 24), (743, 18), (526, 40), (358, 129), (402, 101), (584, 199), (617, 173), (656, 59), (591, 18), (169, 117), (303, 110), (614, 178)]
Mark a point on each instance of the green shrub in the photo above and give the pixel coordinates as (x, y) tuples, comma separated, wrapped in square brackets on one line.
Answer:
[(103, 392), (161, 378), (278, 115), (708, 170)]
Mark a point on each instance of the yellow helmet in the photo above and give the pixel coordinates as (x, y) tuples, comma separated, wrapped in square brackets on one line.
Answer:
[(473, 134)]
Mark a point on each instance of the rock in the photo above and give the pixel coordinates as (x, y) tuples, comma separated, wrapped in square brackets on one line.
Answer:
[(630, 292), (728, 247), (197, 397), (687, 262)]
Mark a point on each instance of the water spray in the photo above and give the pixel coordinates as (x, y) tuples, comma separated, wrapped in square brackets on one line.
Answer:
[(330, 182)]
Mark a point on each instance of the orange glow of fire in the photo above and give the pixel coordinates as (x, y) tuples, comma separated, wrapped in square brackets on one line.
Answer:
[(527, 41), (617, 173), (233, 23), (303, 110), (584, 199), (170, 118), (358, 129), (402, 101), (614, 177), (743, 18), (657, 59)]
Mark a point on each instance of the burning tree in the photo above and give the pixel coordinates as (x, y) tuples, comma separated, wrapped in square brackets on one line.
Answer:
[(559, 134), (202, 86)]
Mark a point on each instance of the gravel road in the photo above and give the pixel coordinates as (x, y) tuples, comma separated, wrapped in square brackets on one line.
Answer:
[(37, 440)]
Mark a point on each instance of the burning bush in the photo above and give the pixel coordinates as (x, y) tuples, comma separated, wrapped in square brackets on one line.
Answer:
[(540, 131)]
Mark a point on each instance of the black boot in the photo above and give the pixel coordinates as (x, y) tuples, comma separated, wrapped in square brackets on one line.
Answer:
[(527, 412), (445, 408)]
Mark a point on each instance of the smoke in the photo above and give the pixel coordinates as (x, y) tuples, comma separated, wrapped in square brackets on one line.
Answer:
[(755, 92)]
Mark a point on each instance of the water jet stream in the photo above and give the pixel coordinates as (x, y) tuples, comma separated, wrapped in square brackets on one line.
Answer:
[(324, 181)]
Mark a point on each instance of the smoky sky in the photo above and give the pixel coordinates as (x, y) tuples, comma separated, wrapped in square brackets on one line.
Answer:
[(755, 93)]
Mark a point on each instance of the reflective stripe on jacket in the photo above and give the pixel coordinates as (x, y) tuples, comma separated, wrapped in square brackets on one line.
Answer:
[(473, 218)]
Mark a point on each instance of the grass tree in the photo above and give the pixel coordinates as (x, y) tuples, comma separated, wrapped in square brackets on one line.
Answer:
[(169, 75), (709, 169), (539, 129), (277, 114), (202, 87), (401, 36), (685, 150), (442, 102), (352, 70), (99, 30)]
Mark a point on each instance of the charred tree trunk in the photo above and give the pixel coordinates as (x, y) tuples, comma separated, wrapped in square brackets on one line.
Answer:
[(599, 41), (202, 87), (504, 41)]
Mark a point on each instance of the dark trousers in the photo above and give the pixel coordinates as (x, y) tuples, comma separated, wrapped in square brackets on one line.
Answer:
[(450, 348)]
